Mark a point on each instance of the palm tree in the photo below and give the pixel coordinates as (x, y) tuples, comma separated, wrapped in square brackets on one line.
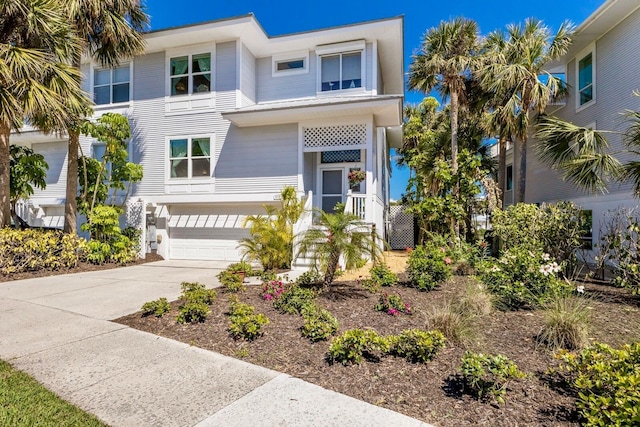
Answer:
[(110, 31), (337, 235), (443, 62), (37, 85), (519, 73)]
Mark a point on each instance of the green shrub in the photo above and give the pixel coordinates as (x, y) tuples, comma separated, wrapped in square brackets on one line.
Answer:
[(295, 299), (309, 278), (370, 285), (244, 322), (566, 323), (34, 250), (355, 344), (427, 266), (108, 243), (157, 307), (416, 345), (319, 324), (382, 275), (192, 312), (196, 292), (608, 384), (392, 304), (232, 282), (488, 375), (523, 278), (240, 267)]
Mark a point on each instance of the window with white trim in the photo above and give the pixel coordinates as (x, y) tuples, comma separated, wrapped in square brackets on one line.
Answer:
[(341, 71), (111, 85), (190, 74), (190, 157), (585, 71)]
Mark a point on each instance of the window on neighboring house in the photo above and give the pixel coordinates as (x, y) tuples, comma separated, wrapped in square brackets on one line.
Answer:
[(190, 74), (509, 179), (111, 85), (99, 151), (341, 71), (190, 157), (585, 79)]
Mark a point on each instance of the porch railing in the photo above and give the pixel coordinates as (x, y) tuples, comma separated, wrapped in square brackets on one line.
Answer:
[(356, 204)]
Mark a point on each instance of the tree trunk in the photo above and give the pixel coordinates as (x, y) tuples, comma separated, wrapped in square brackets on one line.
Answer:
[(332, 267), (522, 173), (502, 169), (5, 175), (70, 206)]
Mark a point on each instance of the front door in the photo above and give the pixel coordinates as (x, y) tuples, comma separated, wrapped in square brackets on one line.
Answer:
[(332, 188)]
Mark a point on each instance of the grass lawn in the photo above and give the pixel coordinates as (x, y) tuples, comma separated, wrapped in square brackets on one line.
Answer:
[(24, 402)]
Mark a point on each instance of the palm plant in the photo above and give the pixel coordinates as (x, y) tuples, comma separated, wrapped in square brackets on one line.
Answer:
[(110, 31), (444, 61), (37, 85), (335, 236), (518, 72)]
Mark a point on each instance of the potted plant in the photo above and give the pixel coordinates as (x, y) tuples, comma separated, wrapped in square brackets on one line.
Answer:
[(356, 176), (242, 269)]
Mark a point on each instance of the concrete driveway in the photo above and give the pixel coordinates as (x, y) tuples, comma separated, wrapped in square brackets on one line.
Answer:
[(57, 329)]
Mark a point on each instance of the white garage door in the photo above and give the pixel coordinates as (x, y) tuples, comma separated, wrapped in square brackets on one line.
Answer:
[(208, 233)]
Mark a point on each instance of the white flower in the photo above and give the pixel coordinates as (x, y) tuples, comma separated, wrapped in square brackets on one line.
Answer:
[(580, 289), (503, 261), (545, 269), (495, 269), (546, 257), (554, 267)]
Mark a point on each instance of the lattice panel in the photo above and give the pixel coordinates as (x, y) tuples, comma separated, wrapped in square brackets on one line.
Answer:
[(401, 228), (136, 218), (335, 136), (340, 156)]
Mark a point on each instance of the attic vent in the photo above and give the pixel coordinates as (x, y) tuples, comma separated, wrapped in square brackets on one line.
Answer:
[(335, 136)]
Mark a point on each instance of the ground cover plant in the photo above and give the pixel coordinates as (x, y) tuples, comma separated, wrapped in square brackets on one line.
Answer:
[(24, 402), (425, 382)]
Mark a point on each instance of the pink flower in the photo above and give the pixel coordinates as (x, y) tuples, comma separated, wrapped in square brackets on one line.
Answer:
[(393, 312), (447, 260)]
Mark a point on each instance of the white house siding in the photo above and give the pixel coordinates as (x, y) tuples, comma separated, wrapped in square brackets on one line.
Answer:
[(258, 159), (225, 76), (55, 154), (148, 122), (368, 64), (616, 65), (247, 78), (208, 232), (270, 88)]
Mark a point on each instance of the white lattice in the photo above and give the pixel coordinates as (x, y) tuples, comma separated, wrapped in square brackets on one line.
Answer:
[(401, 228), (335, 136), (136, 219)]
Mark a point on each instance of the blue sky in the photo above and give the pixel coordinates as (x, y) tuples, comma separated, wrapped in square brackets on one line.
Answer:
[(285, 16)]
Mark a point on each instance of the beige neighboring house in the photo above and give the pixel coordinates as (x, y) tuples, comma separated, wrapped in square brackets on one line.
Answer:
[(602, 70), (224, 116)]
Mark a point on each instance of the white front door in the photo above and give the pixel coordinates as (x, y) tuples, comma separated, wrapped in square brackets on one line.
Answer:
[(333, 188)]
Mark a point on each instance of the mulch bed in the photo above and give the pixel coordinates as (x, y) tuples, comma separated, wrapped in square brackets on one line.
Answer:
[(431, 392), (80, 268)]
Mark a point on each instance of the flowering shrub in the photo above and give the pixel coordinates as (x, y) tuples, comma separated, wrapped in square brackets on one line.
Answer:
[(485, 374), (318, 324), (427, 266), (272, 290), (392, 304), (416, 345), (522, 278), (382, 275), (294, 299)]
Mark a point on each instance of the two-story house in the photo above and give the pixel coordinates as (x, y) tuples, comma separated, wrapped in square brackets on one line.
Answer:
[(224, 116), (601, 68)]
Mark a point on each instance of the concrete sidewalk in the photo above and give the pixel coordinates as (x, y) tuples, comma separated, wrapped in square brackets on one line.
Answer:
[(57, 329)]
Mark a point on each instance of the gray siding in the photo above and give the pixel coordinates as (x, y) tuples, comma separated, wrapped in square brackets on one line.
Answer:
[(260, 159), (148, 122), (225, 76), (368, 64), (285, 87), (55, 154), (616, 63), (248, 78)]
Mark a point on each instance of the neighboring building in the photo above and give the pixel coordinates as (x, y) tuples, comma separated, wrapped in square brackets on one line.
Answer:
[(224, 117), (602, 70)]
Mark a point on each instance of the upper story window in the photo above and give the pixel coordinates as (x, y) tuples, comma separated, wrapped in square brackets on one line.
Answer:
[(190, 157), (290, 63), (586, 78), (341, 66), (111, 85), (341, 71), (190, 74)]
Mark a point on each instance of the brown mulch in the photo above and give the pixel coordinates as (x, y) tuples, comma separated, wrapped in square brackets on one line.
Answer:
[(431, 392), (80, 268)]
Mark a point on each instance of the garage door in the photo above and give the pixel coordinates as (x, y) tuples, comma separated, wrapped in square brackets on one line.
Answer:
[(208, 233)]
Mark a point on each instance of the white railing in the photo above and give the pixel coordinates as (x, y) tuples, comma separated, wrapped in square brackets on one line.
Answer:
[(356, 204)]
